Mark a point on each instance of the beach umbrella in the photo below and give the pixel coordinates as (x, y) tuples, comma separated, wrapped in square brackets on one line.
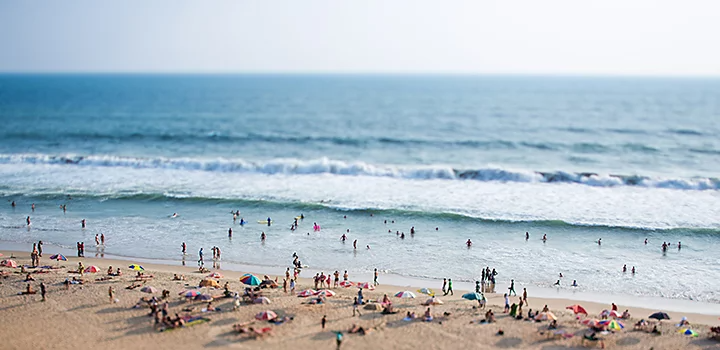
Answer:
[(426, 291), (610, 313), (660, 316), (472, 296), (261, 300), (190, 293), (92, 269), (544, 316), (346, 284), (266, 315), (577, 309), (590, 322), (306, 293), (8, 263), (612, 324), (215, 275), (433, 301), (405, 294), (689, 332), (148, 289), (325, 293), (366, 285), (58, 257), (250, 280), (204, 297), (136, 267)]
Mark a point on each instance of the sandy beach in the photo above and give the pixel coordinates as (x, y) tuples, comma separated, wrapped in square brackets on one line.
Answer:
[(88, 317)]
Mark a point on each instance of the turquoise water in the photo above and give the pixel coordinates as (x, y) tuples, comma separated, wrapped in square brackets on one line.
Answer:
[(485, 158)]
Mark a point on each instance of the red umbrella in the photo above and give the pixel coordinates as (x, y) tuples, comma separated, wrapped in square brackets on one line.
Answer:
[(590, 322), (8, 263), (307, 293), (346, 284), (366, 285), (266, 316), (92, 269), (577, 309)]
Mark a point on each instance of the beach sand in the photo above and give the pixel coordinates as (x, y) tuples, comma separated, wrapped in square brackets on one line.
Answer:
[(84, 317)]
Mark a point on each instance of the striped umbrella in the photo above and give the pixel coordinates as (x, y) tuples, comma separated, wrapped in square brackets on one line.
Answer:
[(136, 267), (577, 309), (250, 280), (427, 291), (325, 293), (58, 257), (544, 316), (215, 275), (261, 300), (306, 293), (92, 269), (346, 284), (612, 324), (405, 294), (366, 285), (590, 322), (689, 332), (190, 293), (266, 315)]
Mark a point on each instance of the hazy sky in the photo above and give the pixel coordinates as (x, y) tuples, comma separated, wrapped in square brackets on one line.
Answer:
[(660, 37)]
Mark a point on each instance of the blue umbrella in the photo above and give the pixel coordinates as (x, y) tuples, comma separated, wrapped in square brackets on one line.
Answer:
[(58, 257), (250, 280), (472, 296)]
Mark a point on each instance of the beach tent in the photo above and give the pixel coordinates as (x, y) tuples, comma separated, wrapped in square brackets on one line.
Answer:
[(209, 283)]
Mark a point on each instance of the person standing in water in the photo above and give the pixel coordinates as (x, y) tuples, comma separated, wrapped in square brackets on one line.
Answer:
[(527, 236), (33, 207), (39, 247), (97, 239), (102, 239), (269, 221), (355, 244), (28, 220), (375, 281), (201, 262), (184, 248), (82, 223), (262, 237), (230, 232)]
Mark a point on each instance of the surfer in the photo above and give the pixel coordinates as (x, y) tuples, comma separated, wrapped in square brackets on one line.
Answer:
[(269, 221)]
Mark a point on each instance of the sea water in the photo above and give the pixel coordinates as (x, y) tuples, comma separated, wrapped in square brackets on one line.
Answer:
[(455, 157)]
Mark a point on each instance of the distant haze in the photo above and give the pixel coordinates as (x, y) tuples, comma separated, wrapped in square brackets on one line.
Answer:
[(609, 37)]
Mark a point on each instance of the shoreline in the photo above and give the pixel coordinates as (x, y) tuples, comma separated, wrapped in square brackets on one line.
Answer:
[(698, 312)]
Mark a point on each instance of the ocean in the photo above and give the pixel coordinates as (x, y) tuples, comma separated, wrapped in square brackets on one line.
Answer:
[(485, 158)]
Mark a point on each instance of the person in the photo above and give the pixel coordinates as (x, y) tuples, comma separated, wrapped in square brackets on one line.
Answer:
[(624, 268), (43, 291), (230, 232), (201, 262), (343, 237), (477, 286), (262, 237), (33, 207), (557, 283), (625, 314), (102, 239), (613, 307), (428, 316), (360, 296), (679, 245), (544, 239), (184, 248), (111, 294), (336, 276), (12, 204), (324, 319), (82, 223), (468, 243), (110, 271), (367, 247), (118, 272), (345, 276), (633, 270), (217, 252), (574, 284), (645, 241), (338, 339), (599, 241), (269, 221), (39, 246), (527, 236), (511, 289), (292, 285), (355, 244), (82, 248), (97, 239), (375, 281), (81, 268), (355, 307), (490, 316), (444, 286), (525, 296), (507, 303), (450, 288), (28, 220)]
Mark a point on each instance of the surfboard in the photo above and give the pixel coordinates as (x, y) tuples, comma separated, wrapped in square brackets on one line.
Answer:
[(263, 222), (297, 218)]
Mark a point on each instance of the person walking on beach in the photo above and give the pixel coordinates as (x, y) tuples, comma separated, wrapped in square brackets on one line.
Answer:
[(39, 246), (111, 294), (524, 297), (201, 262), (356, 308), (507, 303), (375, 281), (42, 291), (511, 289), (449, 288), (444, 286), (323, 321)]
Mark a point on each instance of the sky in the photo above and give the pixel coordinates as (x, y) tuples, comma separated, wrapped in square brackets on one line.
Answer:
[(569, 37)]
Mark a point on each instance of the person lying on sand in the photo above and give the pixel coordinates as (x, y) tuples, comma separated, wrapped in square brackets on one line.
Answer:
[(141, 276), (358, 329), (278, 321), (105, 278), (178, 278), (133, 286)]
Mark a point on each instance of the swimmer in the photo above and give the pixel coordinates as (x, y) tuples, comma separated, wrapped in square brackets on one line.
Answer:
[(368, 247), (468, 243), (436, 228), (343, 238), (242, 221), (174, 215), (402, 235)]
